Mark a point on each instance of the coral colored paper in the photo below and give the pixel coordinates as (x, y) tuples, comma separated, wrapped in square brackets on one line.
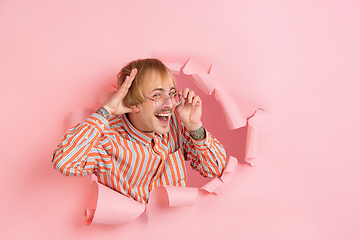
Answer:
[(89, 216), (196, 66), (234, 117), (200, 73), (113, 208), (300, 59), (214, 186), (78, 116), (253, 138), (229, 168), (230, 165), (174, 67), (253, 145), (206, 82), (181, 196)]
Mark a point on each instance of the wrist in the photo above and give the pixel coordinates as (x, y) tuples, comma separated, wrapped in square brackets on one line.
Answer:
[(104, 111), (198, 134), (193, 127)]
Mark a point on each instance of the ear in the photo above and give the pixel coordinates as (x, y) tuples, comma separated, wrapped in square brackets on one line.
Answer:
[(134, 109)]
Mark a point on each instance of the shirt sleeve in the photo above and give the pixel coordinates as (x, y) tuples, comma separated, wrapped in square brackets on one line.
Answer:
[(207, 156), (80, 153)]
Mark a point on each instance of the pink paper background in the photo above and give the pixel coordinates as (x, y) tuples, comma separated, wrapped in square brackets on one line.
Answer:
[(299, 60)]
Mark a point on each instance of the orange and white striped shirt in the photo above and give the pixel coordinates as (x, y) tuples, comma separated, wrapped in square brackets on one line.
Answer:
[(133, 162)]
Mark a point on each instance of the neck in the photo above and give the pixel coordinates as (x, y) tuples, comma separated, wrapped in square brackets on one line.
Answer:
[(133, 121)]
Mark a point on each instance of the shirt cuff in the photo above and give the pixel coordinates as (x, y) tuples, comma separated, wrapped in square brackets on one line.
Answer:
[(98, 122), (203, 144)]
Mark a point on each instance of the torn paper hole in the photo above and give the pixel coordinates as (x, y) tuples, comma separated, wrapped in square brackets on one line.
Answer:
[(108, 210), (234, 117)]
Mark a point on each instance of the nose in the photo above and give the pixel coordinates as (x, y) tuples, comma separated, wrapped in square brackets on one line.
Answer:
[(168, 103)]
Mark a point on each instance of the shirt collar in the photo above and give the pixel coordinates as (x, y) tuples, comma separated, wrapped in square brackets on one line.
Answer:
[(143, 137)]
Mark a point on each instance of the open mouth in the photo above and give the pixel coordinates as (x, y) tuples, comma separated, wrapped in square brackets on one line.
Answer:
[(163, 117)]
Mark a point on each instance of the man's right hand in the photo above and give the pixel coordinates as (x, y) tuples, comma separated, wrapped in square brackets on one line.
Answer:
[(115, 105)]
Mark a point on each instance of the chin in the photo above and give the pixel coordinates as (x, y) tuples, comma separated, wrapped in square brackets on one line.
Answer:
[(161, 130)]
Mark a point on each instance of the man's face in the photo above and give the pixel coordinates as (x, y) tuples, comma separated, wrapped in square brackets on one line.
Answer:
[(151, 118)]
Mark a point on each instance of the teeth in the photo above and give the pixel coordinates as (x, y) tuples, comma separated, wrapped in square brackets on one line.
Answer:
[(164, 114)]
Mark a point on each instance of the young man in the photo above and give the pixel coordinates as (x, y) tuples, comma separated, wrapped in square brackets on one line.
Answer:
[(142, 136)]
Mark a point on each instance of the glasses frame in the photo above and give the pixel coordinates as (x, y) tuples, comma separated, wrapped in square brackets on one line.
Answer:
[(171, 96)]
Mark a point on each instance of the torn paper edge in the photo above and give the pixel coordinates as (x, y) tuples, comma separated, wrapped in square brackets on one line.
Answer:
[(174, 67), (181, 196), (113, 208), (201, 76), (253, 141), (216, 184), (234, 117)]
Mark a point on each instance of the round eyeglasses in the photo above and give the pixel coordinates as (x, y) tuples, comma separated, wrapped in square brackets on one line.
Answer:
[(161, 100)]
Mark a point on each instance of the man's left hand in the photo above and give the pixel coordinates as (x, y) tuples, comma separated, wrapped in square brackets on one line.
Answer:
[(190, 110)]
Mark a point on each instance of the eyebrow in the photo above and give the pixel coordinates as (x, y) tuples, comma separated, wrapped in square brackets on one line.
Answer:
[(161, 89)]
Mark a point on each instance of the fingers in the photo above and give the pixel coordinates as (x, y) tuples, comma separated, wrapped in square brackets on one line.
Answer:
[(190, 97), (115, 102), (133, 73), (196, 101), (127, 82)]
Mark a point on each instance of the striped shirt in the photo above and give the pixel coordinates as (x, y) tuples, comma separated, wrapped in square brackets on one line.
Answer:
[(133, 162)]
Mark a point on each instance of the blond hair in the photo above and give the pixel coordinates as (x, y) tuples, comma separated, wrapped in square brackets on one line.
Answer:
[(144, 67)]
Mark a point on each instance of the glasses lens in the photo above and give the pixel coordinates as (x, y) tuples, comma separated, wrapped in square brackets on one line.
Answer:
[(176, 98), (160, 101)]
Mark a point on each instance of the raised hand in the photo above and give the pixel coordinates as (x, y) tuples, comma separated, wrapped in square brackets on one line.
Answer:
[(190, 110), (115, 105)]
